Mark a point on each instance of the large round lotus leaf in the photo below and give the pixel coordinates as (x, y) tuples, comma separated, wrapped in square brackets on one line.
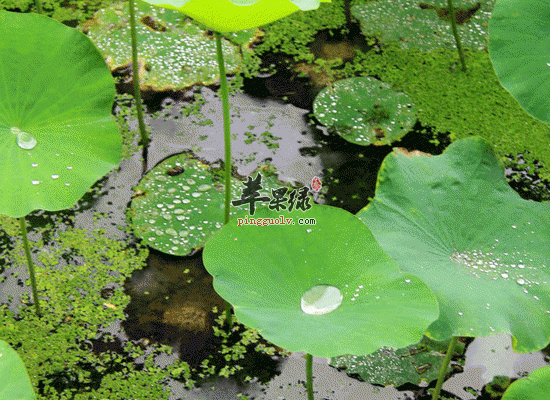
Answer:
[(519, 44), (365, 111), (180, 203), (412, 364), (425, 25), (173, 52), (265, 272), (535, 387), (14, 380), (236, 15), (57, 136), (453, 221)]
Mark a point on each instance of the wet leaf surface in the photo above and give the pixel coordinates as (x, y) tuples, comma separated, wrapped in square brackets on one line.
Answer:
[(180, 203), (173, 52), (488, 269), (365, 111), (425, 25)]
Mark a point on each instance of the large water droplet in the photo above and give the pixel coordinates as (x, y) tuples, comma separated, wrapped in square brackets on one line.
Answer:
[(321, 299), (25, 140)]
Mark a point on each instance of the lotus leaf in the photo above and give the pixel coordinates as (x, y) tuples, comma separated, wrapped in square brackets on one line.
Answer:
[(236, 15), (397, 367), (57, 133), (269, 273), (180, 203), (425, 25), (365, 111), (173, 52), (453, 221), (519, 44), (14, 380), (535, 387)]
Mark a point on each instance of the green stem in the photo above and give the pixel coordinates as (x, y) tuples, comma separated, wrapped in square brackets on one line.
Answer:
[(144, 138), (227, 141), (444, 367), (30, 265), (309, 376), (38, 5), (455, 33)]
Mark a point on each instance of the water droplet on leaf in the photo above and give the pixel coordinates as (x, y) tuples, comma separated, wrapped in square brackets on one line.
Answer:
[(321, 299), (25, 140)]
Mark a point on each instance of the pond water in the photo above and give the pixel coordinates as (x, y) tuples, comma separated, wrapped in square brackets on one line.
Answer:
[(172, 297)]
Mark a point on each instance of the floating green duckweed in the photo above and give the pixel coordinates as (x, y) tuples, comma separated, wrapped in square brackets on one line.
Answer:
[(365, 111), (174, 52), (180, 203), (417, 24)]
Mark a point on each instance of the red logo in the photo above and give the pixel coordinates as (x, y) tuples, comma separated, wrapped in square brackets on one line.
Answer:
[(316, 184)]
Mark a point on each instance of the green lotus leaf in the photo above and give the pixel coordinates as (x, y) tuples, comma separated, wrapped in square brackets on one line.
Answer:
[(519, 44), (284, 280), (180, 203), (425, 25), (412, 364), (535, 387), (365, 111), (453, 221), (57, 136), (237, 15), (14, 380), (173, 52)]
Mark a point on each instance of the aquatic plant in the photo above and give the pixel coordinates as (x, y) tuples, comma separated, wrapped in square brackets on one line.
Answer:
[(497, 257), (365, 111), (58, 134), (533, 387), (179, 204), (339, 293), (228, 16), (424, 25), (14, 380), (518, 47)]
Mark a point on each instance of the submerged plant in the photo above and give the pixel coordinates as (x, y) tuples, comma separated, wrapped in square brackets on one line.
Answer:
[(58, 134)]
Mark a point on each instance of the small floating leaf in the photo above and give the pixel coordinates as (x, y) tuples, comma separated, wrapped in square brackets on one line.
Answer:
[(453, 221), (365, 111), (425, 25), (390, 366), (173, 52), (176, 213)]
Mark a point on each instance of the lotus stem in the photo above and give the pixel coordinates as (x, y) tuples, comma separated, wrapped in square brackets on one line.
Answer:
[(455, 33), (227, 141), (144, 137), (443, 369), (38, 5), (309, 376), (30, 266)]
